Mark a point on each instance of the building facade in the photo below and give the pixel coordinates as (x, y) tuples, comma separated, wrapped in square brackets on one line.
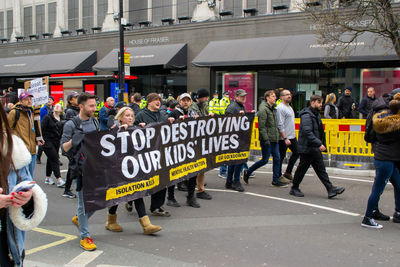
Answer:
[(182, 45)]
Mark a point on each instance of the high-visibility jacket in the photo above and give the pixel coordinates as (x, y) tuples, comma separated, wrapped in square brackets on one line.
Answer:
[(223, 104), (278, 102), (213, 106), (143, 104)]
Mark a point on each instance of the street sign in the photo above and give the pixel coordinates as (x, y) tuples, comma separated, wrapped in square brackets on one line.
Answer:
[(127, 64)]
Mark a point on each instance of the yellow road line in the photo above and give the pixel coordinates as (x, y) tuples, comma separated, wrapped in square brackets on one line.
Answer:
[(352, 165), (66, 238)]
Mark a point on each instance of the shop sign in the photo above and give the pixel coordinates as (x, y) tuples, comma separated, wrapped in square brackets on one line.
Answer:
[(149, 41)]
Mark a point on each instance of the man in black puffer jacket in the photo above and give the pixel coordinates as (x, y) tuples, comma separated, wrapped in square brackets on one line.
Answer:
[(152, 114), (310, 147), (345, 104)]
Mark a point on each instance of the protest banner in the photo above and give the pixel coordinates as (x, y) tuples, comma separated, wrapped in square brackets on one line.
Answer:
[(38, 88), (126, 165)]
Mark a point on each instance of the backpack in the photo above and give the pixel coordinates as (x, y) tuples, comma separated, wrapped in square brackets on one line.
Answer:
[(77, 155), (370, 134), (16, 118)]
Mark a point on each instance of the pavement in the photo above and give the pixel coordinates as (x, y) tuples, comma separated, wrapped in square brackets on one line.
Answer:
[(263, 226)]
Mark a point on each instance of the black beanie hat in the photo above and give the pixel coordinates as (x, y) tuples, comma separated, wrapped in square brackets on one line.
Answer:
[(202, 92)]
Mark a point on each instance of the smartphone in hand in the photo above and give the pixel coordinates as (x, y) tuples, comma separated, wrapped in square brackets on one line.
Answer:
[(24, 188)]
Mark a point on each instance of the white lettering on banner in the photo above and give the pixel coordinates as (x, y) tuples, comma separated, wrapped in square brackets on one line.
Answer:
[(360, 23), (146, 41), (336, 44)]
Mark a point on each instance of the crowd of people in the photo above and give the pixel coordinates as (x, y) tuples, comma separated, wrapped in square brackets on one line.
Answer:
[(66, 129)]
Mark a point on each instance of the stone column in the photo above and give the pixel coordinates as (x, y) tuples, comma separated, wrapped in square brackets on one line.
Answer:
[(17, 29), (109, 24), (296, 5), (60, 18)]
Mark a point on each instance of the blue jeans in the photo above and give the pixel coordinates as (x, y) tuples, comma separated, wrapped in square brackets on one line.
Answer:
[(266, 151), (234, 173), (83, 219), (31, 166), (385, 171), (223, 169)]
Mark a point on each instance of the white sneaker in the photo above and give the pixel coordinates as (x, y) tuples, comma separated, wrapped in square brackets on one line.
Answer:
[(222, 176), (60, 183), (49, 181)]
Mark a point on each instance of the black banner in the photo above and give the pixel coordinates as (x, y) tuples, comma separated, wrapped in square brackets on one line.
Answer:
[(126, 165)]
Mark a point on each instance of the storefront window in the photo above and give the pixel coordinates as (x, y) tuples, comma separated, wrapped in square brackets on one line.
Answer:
[(383, 80), (162, 82), (305, 82)]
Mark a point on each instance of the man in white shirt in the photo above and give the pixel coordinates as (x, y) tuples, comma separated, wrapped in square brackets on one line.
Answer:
[(286, 125)]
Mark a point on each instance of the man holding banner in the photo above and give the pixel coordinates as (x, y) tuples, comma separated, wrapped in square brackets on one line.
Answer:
[(182, 112), (71, 142), (152, 114)]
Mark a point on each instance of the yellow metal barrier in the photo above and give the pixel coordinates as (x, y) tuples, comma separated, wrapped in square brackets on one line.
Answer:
[(343, 137)]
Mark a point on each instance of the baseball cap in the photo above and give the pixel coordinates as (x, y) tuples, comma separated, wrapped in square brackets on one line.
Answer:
[(72, 95), (240, 92), (24, 95), (184, 95)]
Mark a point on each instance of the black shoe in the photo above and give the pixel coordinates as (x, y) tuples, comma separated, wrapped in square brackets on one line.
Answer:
[(38, 161), (192, 202), (396, 217), (296, 192), (204, 195), (69, 194), (128, 207), (279, 184), (378, 215), (246, 176), (335, 191), (228, 185), (238, 187), (370, 223), (173, 203), (182, 187)]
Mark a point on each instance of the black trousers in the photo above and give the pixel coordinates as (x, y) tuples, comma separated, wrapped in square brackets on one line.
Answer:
[(139, 206), (316, 161), (191, 186), (68, 180), (40, 152), (53, 161), (293, 158), (158, 199)]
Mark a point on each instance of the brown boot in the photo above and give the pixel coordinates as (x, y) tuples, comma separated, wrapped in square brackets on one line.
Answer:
[(112, 224), (148, 228)]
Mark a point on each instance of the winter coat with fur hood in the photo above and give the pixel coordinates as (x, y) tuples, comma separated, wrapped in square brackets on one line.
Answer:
[(21, 158), (387, 128)]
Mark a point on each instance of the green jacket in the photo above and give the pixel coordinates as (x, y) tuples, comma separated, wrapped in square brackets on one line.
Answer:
[(267, 124), (199, 108)]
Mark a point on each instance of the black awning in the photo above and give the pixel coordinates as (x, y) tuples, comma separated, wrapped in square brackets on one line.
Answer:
[(172, 56), (295, 49), (47, 64)]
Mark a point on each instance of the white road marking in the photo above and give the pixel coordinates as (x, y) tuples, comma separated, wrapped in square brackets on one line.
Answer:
[(84, 258), (291, 201), (333, 177)]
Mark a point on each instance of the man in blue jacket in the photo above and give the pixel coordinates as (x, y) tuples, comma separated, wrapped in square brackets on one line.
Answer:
[(310, 147), (103, 113)]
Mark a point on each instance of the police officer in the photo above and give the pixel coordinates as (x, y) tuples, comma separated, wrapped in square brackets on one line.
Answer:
[(213, 104), (224, 103)]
